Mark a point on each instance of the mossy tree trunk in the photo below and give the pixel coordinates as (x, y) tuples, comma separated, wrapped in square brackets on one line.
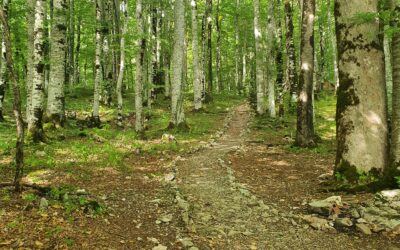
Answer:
[(3, 67), (140, 57), (98, 69), (362, 132)]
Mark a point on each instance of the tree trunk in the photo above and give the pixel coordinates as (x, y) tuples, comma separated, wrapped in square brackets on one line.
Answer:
[(71, 44), (260, 83), (362, 132), (209, 61), (77, 71), (239, 53), (140, 56), (29, 74), (279, 62), (331, 27), (197, 89), (271, 63), (124, 10), (56, 99), (291, 55), (3, 66), (305, 136), (107, 58), (218, 59), (98, 70), (35, 123), (177, 113), (394, 169), (19, 153)]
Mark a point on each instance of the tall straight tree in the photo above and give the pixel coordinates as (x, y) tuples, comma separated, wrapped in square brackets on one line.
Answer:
[(209, 53), (98, 70), (124, 10), (56, 99), (197, 88), (177, 112), (140, 57), (30, 51), (260, 81), (305, 135), (362, 132), (35, 122), (291, 55), (271, 63), (3, 66), (218, 54)]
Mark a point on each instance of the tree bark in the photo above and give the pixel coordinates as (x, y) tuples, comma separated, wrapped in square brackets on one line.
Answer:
[(124, 10), (29, 74), (3, 66), (98, 71), (177, 112), (140, 56), (305, 136), (271, 63), (209, 53), (260, 81), (291, 55), (35, 123), (239, 53), (196, 61), (218, 59), (394, 168), (56, 98), (362, 132), (19, 153)]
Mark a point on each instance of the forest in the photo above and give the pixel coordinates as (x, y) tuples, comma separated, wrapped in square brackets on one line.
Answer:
[(200, 124)]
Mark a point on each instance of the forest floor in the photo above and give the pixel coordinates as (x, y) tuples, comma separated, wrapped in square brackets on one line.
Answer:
[(238, 189)]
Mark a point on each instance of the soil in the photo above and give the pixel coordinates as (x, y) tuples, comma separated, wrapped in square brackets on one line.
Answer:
[(242, 193)]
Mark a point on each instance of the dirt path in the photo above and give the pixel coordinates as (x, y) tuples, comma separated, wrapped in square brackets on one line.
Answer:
[(224, 214)]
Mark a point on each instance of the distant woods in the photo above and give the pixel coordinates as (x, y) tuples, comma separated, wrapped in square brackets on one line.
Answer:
[(281, 54)]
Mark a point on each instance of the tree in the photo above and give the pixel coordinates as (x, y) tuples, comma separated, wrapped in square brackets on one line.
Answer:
[(35, 122), (260, 83), (177, 112), (141, 44), (395, 121), (270, 79), (124, 10), (19, 153), (362, 132), (98, 70), (305, 136), (291, 55), (209, 53), (3, 67), (197, 88), (56, 99)]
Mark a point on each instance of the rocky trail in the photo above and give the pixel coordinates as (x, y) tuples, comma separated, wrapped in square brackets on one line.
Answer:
[(220, 212)]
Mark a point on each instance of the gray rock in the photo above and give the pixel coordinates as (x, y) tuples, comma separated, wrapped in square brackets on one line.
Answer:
[(187, 242), (344, 222), (44, 204), (323, 207), (363, 228)]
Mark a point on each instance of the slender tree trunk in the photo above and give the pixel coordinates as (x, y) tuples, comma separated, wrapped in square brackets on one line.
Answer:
[(218, 63), (107, 58), (239, 53), (98, 71), (77, 70), (29, 74), (362, 132), (279, 61), (177, 112), (209, 61), (124, 10), (3, 66), (291, 55), (270, 79), (196, 62), (71, 44), (260, 81), (305, 136), (331, 27), (56, 99), (140, 57), (35, 123), (19, 153)]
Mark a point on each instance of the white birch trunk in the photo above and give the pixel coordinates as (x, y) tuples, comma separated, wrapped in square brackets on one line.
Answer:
[(56, 99), (141, 44)]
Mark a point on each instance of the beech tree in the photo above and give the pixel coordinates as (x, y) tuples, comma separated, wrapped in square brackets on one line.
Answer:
[(260, 80), (362, 132), (197, 88), (177, 109), (305, 136)]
